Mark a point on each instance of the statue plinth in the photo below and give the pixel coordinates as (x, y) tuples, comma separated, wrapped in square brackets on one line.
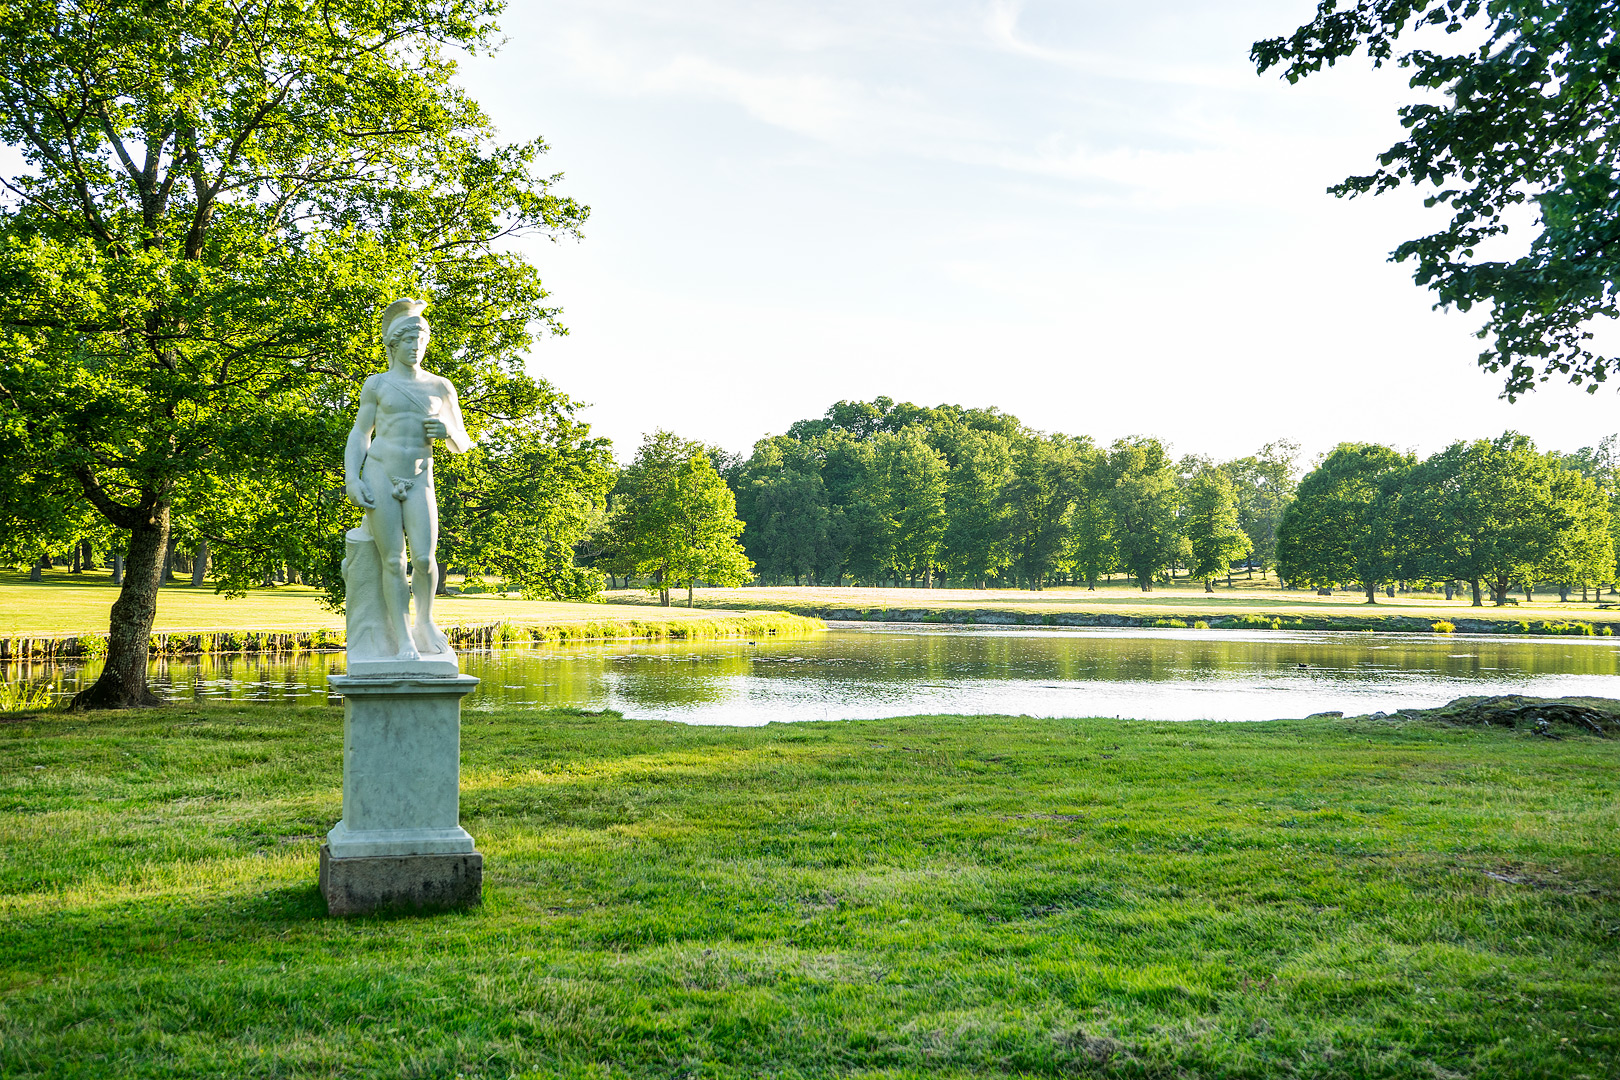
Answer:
[(400, 843)]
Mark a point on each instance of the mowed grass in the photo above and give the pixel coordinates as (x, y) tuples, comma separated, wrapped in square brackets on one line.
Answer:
[(1122, 598), (68, 603), (938, 897)]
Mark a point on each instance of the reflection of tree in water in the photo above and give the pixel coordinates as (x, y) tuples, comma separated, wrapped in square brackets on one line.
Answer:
[(849, 666), (697, 677)]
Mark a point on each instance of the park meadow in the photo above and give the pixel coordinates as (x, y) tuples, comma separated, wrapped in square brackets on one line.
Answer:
[(930, 896)]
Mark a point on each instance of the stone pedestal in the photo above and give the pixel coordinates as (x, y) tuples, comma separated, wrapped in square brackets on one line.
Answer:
[(400, 843)]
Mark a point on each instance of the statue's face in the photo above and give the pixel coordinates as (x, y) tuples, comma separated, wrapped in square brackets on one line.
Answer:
[(409, 340)]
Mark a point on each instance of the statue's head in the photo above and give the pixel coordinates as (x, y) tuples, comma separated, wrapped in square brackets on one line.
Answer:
[(404, 331)]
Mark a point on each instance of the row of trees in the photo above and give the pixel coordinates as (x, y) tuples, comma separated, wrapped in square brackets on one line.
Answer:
[(884, 491), (1494, 514)]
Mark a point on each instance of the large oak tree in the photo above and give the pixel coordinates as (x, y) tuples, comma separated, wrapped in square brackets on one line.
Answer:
[(215, 201)]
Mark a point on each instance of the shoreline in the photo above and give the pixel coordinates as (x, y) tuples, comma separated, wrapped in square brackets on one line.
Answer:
[(1195, 617), (718, 626)]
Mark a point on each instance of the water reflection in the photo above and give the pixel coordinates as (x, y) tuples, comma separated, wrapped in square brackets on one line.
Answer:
[(867, 671)]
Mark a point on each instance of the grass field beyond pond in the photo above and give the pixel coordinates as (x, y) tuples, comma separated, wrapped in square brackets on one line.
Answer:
[(65, 603), (937, 897), (1122, 600)]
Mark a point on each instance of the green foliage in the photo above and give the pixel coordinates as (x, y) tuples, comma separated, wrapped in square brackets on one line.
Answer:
[(1046, 483), (908, 492), (523, 499), (213, 203), (1443, 627), (975, 545), (1210, 521), (1143, 501), (1339, 528), (18, 695), (1561, 628), (1486, 511), (675, 519), (1529, 120), (1263, 485), (782, 499)]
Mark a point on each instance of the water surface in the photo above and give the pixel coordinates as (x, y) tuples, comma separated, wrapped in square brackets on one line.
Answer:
[(863, 671)]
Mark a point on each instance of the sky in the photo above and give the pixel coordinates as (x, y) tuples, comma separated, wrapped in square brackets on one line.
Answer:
[(1094, 216)]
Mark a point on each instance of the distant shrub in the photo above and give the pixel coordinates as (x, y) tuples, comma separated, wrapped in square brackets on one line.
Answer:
[(1565, 629), (1171, 624), (1443, 627), (1256, 622), (22, 696), (1200, 625)]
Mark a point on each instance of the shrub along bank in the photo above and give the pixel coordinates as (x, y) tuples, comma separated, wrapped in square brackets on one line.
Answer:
[(942, 897), (181, 643)]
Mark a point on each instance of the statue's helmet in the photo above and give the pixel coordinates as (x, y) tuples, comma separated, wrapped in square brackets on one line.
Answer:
[(400, 309)]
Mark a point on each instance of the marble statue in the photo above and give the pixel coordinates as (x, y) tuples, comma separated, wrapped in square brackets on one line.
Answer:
[(388, 473), (400, 843)]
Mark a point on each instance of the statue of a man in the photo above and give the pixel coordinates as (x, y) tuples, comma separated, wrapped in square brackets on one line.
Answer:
[(388, 473)]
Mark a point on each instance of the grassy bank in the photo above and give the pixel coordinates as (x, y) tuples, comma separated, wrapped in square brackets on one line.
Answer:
[(66, 615), (1124, 606), (907, 898)]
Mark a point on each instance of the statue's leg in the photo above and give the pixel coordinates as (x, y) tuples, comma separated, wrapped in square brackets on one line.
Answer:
[(422, 526), (386, 524)]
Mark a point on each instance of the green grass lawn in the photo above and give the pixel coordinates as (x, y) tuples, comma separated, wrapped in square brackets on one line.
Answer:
[(67, 603), (936, 897)]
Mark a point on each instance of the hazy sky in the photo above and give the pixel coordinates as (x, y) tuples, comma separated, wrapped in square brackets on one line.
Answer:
[(1092, 215)]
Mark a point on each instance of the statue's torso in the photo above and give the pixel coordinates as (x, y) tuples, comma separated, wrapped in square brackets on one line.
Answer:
[(398, 443)]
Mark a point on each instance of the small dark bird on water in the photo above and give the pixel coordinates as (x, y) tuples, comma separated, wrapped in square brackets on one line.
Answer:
[(1304, 666)]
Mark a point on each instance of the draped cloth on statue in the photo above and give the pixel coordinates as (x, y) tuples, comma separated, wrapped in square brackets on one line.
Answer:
[(371, 644)]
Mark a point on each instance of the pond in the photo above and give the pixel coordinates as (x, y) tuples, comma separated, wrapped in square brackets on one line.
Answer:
[(868, 671)]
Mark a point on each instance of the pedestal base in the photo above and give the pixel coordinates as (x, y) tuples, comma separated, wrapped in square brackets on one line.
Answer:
[(359, 886)]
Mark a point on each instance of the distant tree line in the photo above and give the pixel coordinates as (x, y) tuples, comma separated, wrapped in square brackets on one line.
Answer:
[(1493, 515), (886, 493), (882, 492)]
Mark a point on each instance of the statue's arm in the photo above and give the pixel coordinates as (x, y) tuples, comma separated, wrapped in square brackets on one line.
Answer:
[(455, 436), (354, 452)]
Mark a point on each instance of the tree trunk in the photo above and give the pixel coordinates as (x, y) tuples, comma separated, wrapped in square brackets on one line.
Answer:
[(688, 592), (118, 569), (122, 684), (1563, 594), (1372, 593), (1450, 592), (199, 563), (78, 555), (1389, 591), (166, 574), (39, 564), (1529, 596), (1473, 585)]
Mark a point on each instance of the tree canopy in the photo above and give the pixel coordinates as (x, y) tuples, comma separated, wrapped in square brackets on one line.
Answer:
[(1530, 120), (216, 200), (675, 519)]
